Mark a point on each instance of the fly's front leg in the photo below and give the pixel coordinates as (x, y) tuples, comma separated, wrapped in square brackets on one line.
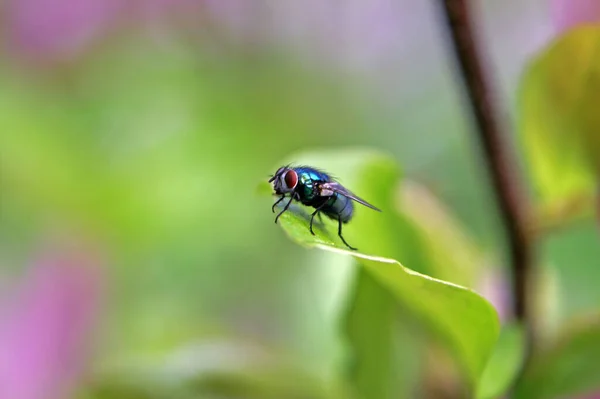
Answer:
[(285, 208), (278, 201)]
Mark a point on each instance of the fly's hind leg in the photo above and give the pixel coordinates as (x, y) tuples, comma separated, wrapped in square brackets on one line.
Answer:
[(312, 216), (340, 234)]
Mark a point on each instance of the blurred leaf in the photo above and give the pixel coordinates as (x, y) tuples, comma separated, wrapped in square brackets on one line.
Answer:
[(552, 217), (213, 369), (505, 363), (569, 367), (451, 253), (573, 255), (559, 119), (376, 339), (465, 321)]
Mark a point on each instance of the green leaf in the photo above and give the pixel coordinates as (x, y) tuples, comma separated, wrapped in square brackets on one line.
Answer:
[(559, 119), (569, 367), (505, 363), (465, 321), (376, 370)]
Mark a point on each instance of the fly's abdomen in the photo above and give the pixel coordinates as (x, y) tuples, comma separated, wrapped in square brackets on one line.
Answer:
[(339, 207)]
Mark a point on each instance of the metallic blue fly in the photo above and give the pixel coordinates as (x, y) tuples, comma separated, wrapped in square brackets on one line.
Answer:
[(315, 188)]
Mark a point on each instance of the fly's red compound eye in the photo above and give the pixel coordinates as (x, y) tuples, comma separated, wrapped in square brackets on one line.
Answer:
[(291, 179)]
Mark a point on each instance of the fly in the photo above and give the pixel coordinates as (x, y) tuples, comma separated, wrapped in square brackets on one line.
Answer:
[(317, 189)]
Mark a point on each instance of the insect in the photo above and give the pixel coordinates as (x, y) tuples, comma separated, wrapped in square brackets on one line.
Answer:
[(317, 189)]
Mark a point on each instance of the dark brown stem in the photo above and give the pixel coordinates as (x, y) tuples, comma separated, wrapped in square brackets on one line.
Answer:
[(497, 156)]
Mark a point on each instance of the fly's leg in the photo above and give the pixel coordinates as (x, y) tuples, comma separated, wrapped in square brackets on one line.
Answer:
[(278, 201), (312, 216), (285, 208), (340, 233)]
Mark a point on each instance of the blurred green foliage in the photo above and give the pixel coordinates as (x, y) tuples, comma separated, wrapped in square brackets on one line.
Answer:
[(506, 363), (559, 126), (153, 151), (567, 367), (557, 122)]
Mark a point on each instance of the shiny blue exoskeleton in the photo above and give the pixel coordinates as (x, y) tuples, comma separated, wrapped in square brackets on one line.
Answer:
[(317, 189)]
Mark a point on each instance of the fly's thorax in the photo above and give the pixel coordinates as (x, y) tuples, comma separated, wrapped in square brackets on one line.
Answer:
[(306, 187)]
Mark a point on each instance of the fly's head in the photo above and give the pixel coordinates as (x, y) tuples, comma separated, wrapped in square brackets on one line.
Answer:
[(284, 180)]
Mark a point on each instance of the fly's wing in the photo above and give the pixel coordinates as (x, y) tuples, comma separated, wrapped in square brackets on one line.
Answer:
[(334, 187)]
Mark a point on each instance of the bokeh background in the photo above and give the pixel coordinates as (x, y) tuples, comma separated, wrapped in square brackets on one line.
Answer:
[(133, 134)]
